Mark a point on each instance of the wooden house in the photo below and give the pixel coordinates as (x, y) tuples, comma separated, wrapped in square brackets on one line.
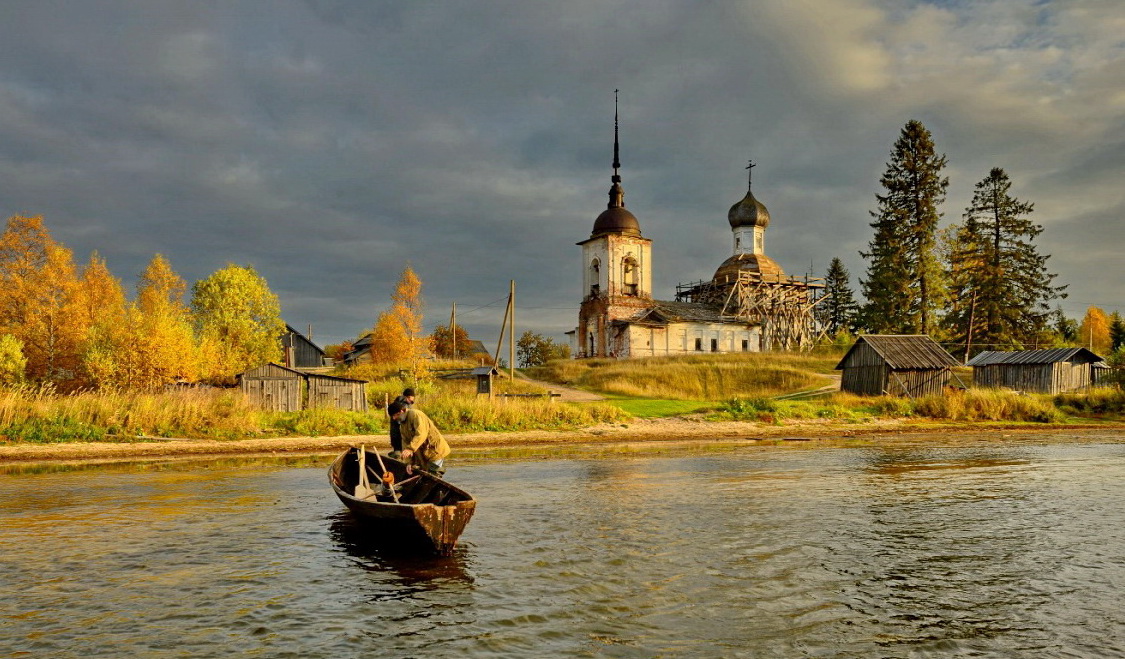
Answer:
[(337, 392), (280, 389), (1050, 371), (299, 350), (898, 365), (274, 387)]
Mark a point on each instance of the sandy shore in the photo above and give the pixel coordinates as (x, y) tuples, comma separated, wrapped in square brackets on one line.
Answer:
[(673, 430)]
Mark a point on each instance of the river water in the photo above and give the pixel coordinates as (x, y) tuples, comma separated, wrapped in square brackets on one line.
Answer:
[(897, 548)]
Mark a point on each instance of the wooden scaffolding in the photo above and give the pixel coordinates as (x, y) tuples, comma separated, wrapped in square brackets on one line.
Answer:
[(781, 305)]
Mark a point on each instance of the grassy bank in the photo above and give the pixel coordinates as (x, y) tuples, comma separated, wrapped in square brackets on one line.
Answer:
[(757, 388), (42, 416)]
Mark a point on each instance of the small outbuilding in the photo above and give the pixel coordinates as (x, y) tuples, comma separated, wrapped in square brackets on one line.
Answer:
[(1051, 371), (337, 392), (274, 387), (299, 350), (910, 365), (280, 389)]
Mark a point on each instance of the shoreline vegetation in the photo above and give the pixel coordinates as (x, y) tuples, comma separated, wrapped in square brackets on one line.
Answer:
[(700, 401)]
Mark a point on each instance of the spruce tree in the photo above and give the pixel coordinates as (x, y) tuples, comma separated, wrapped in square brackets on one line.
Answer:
[(905, 283), (837, 311), (1001, 288)]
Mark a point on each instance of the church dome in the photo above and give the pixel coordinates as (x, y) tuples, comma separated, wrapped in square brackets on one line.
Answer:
[(757, 263), (616, 220), (748, 213)]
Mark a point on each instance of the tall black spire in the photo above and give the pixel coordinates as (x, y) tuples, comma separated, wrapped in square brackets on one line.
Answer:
[(616, 144), (616, 194)]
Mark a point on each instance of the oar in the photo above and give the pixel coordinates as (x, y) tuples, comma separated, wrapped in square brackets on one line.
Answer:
[(388, 477), (363, 488)]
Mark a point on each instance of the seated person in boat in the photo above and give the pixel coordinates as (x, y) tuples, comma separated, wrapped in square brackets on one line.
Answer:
[(422, 443), (407, 400)]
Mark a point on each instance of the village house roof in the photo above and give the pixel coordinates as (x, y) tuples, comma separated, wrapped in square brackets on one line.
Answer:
[(1048, 356), (664, 312), (904, 351)]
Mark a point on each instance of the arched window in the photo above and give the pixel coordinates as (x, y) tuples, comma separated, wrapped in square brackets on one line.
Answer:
[(630, 275), (595, 276)]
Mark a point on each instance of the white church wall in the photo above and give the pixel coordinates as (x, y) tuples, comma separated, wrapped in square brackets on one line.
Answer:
[(687, 339)]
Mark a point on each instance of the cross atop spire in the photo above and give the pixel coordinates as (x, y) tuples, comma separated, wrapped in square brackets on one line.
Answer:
[(616, 146), (750, 177)]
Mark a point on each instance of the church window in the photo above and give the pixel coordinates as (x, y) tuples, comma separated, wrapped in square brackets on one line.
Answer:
[(630, 275), (714, 345), (699, 345), (595, 277), (745, 345)]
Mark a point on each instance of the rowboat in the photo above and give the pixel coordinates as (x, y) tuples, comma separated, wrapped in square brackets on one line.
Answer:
[(422, 511)]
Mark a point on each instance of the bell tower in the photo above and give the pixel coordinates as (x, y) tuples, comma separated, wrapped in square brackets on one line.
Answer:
[(617, 269)]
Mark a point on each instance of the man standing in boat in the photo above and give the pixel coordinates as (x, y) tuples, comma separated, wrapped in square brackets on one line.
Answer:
[(407, 401), (422, 443)]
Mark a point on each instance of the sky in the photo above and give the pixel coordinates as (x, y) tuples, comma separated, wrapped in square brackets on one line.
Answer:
[(331, 143)]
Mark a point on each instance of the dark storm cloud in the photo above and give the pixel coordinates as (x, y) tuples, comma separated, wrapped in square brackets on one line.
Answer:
[(330, 142)]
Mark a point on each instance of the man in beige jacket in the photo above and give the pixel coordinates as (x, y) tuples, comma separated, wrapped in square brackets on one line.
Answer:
[(422, 443)]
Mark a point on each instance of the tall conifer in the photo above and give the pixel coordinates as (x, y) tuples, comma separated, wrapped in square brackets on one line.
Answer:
[(905, 284), (1001, 288), (837, 311)]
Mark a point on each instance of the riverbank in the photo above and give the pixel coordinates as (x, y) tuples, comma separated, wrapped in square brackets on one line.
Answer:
[(667, 430)]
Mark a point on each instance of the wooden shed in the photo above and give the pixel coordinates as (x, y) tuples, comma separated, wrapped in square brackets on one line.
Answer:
[(332, 391), (274, 387), (899, 365), (299, 350), (1050, 371)]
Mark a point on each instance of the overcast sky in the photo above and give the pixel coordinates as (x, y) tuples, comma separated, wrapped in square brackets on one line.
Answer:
[(329, 143)]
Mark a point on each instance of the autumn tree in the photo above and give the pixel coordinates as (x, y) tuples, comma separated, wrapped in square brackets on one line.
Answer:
[(13, 365), (397, 336), (238, 320), (1094, 331), (443, 342), (838, 309), (535, 349), (155, 344), (39, 302), (904, 285)]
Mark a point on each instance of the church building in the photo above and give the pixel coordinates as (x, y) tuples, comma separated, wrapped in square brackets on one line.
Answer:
[(748, 305)]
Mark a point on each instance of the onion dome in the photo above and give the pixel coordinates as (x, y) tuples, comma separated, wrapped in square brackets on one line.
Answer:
[(615, 219), (759, 263), (748, 213)]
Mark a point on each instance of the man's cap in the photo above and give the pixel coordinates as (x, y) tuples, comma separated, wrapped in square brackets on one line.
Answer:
[(408, 392)]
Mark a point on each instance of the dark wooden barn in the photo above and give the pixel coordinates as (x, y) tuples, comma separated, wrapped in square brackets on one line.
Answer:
[(281, 389), (274, 387), (332, 391), (898, 365), (299, 350), (1050, 371)]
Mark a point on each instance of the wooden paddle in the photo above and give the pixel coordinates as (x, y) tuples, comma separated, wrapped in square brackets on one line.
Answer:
[(363, 488), (388, 477)]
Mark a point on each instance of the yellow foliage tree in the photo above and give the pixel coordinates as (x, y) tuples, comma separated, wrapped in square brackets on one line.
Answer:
[(154, 344), (398, 337), (39, 301), (239, 321), (1094, 331)]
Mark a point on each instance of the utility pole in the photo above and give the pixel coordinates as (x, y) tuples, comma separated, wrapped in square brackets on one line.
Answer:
[(453, 329)]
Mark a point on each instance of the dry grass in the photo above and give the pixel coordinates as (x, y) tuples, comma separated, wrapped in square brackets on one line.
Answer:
[(696, 377)]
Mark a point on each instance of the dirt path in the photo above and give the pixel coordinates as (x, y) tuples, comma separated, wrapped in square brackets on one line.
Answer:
[(566, 394)]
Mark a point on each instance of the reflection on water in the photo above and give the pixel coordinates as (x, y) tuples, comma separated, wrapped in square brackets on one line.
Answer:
[(890, 549), (415, 568)]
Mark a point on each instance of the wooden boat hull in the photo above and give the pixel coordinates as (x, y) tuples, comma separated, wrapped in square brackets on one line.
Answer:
[(431, 513)]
